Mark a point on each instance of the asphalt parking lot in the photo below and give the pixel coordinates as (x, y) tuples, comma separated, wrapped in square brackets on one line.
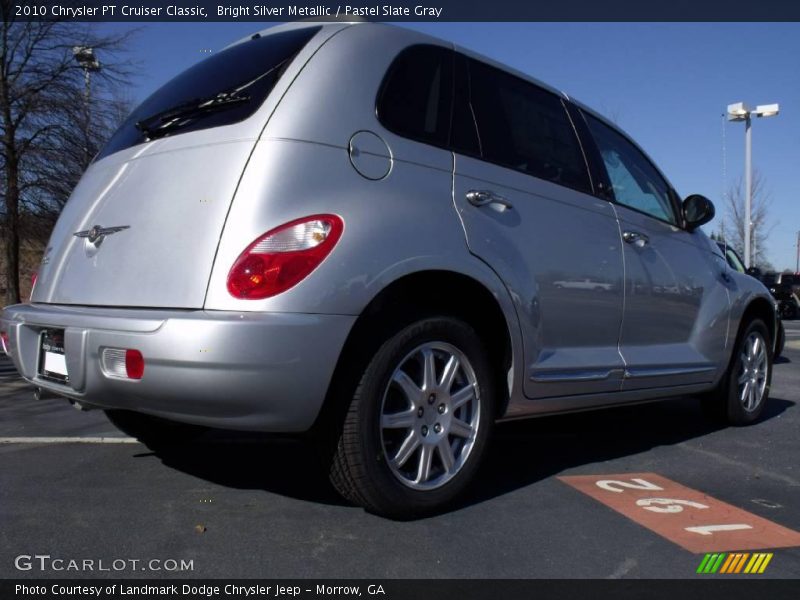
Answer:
[(242, 505)]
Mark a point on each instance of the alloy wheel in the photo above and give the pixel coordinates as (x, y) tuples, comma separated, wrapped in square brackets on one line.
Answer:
[(752, 379), (430, 415)]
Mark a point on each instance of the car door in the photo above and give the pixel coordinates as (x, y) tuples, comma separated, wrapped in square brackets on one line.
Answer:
[(675, 322), (524, 194)]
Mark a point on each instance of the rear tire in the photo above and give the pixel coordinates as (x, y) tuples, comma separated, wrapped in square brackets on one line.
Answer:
[(743, 392), (418, 422)]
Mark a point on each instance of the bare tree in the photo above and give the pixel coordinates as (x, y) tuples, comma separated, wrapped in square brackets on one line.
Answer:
[(50, 126), (733, 228)]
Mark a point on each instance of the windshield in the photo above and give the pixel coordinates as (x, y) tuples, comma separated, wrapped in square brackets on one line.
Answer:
[(733, 261), (256, 64)]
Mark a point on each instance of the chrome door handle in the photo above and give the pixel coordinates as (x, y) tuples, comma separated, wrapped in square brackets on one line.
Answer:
[(486, 197), (639, 240)]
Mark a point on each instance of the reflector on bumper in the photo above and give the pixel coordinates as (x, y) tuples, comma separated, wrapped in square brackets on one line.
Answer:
[(122, 363)]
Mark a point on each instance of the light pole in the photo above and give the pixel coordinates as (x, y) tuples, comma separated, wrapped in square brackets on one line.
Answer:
[(741, 112), (85, 57), (797, 266)]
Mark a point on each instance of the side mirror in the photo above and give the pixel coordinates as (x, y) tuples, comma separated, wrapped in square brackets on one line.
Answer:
[(697, 210)]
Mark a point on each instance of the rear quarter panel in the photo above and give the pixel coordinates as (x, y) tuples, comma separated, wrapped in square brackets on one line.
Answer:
[(402, 223)]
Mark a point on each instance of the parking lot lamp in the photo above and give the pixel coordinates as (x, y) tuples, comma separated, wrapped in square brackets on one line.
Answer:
[(87, 60), (741, 112)]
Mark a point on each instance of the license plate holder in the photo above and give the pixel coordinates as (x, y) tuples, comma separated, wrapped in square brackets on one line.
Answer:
[(52, 358)]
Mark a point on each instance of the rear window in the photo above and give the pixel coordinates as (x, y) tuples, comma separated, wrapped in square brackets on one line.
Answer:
[(250, 69)]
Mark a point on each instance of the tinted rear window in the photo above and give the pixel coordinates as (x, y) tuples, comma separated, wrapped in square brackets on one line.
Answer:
[(414, 100), (525, 127), (258, 62)]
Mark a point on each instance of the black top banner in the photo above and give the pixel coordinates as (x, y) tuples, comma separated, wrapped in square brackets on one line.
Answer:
[(403, 10)]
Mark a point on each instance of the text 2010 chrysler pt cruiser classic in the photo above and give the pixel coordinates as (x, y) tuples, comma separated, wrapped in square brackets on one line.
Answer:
[(361, 230)]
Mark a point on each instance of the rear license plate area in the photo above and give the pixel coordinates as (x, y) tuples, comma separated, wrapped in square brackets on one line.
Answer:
[(52, 359)]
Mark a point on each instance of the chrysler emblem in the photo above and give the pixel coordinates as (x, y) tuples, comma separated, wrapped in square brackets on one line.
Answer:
[(96, 234)]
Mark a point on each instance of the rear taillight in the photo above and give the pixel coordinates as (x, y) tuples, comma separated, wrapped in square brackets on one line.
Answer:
[(283, 257), (4, 341)]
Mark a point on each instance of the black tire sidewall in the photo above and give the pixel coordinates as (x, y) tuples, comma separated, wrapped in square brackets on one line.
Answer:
[(388, 494)]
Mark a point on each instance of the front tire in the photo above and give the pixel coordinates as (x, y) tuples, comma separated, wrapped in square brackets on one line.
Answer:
[(418, 422), (744, 390)]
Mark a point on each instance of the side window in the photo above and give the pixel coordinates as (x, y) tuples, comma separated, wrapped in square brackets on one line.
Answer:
[(524, 127), (415, 97), (634, 180)]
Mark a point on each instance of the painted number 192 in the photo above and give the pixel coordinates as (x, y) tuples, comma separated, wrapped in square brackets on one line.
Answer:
[(666, 505)]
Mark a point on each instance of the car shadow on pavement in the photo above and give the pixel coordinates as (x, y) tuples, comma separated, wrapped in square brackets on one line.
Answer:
[(284, 465), (521, 453), (524, 452)]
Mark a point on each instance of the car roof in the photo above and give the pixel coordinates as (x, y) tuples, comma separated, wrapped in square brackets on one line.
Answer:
[(345, 22)]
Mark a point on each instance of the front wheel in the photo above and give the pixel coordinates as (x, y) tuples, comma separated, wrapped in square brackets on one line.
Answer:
[(744, 389), (418, 422)]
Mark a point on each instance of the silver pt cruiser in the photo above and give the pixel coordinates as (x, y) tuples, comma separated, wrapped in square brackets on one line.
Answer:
[(380, 237)]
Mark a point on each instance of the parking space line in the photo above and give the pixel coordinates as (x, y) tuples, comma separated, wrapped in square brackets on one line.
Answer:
[(687, 517), (68, 440)]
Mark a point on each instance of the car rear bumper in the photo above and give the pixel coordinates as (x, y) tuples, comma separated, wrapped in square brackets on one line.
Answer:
[(254, 371)]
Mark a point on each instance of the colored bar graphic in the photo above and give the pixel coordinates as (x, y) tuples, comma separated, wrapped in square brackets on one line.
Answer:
[(728, 563), (703, 563), (740, 563), (753, 562), (717, 563), (734, 562), (761, 560), (765, 563), (728, 567)]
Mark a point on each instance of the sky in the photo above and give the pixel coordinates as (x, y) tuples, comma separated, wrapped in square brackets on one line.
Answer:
[(665, 84)]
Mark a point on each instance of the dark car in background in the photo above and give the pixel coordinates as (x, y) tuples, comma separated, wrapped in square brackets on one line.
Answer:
[(786, 289)]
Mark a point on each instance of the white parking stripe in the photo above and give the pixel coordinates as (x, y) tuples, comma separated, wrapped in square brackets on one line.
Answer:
[(68, 440)]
